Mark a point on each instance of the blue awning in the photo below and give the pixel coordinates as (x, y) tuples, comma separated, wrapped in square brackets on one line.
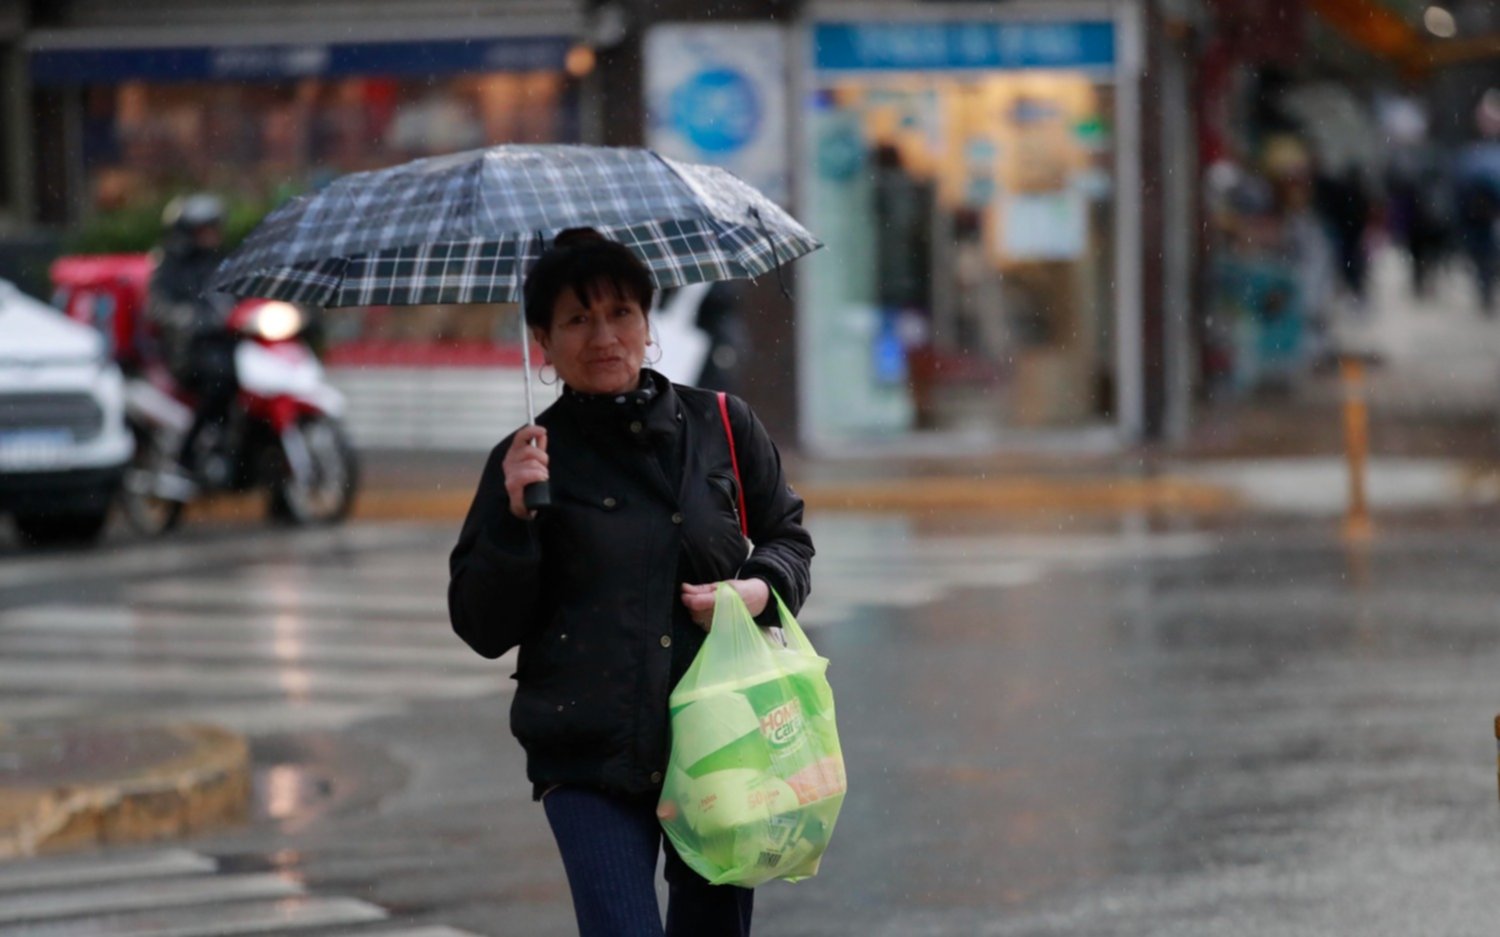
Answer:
[(87, 66)]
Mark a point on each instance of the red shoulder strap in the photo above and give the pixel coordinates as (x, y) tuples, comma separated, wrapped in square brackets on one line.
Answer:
[(734, 460)]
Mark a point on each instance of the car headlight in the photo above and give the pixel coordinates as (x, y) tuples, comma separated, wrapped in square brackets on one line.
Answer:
[(277, 321)]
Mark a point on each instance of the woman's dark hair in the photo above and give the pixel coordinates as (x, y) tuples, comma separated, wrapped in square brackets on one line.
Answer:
[(586, 262)]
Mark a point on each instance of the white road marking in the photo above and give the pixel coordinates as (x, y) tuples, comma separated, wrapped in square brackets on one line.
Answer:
[(48, 873), (175, 893), (275, 917), (98, 677), (143, 894)]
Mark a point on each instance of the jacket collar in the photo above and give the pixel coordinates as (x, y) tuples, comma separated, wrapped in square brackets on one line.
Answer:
[(653, 403), (624, 427)]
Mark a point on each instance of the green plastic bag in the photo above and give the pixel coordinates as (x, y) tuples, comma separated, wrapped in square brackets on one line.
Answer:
[(755, 778)]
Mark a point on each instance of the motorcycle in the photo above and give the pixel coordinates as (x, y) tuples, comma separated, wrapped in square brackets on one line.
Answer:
[(284, 434)]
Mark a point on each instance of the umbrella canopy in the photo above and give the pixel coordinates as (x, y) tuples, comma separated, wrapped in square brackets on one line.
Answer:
[(465, 228)]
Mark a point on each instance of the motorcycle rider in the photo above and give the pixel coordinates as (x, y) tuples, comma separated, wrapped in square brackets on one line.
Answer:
[(191, 324)]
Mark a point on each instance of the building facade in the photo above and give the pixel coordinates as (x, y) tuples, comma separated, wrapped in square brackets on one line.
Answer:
[(975, 170)]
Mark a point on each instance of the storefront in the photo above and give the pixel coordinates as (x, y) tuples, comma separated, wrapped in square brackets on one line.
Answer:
[(128, 105), (974, 174), (282, 104), (255, 121)]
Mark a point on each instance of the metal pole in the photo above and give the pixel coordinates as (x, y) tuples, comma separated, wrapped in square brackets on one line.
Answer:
[(1129, 337)]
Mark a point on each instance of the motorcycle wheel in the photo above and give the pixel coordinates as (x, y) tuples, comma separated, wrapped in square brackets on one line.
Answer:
[(148, 513), (327, 496)]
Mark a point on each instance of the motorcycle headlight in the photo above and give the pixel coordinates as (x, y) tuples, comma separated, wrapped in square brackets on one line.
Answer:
[(277, 321)]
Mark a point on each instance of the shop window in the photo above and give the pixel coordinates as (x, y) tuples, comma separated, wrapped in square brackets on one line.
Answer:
[(967, 282)]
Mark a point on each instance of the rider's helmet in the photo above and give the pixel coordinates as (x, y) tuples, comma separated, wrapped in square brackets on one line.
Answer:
[(187, 214)]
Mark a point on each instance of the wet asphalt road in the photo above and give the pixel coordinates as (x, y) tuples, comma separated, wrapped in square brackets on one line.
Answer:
[(1113, 730)]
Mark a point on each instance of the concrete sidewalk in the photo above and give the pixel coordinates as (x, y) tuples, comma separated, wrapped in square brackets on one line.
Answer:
[(78, 784)]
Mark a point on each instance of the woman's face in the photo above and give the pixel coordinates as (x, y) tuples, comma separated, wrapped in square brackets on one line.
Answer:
[(597, 342)]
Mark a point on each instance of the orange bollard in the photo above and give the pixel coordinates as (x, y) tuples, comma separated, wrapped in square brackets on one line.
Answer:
[(1357, 523)]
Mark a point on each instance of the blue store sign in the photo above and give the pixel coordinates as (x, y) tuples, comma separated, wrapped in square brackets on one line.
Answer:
[(83, 66), (928, 46)]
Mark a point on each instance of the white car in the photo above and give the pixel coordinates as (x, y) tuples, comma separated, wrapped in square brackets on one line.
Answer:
[(64, 443)]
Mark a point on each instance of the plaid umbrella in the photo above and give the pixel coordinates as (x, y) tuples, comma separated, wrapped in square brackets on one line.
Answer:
[(465, 228)]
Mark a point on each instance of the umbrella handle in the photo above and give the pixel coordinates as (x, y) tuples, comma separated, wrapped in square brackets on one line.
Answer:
[(537, 495)]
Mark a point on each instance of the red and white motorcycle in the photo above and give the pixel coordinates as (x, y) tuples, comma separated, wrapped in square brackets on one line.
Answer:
[(284, 434)]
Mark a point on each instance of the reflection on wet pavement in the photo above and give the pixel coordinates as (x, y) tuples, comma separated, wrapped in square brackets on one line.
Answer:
[(1266, 737), (1100, 729)]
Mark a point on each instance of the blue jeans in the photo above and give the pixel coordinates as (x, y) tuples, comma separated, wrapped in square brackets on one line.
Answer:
[(609, 845)]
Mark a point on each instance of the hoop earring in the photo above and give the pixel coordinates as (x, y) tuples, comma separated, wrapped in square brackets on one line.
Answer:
[(541, 374), (652, 361)]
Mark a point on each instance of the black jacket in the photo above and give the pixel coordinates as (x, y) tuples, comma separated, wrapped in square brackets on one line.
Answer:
[(189, 321), (590, 589)]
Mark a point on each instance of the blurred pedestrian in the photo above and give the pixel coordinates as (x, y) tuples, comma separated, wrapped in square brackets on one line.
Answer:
[(1421, 210), (1296, 321), (903, 207), (714, 310), (1428, 230), (1479, 207), (608, 591), (1345, 207), (720, 318)]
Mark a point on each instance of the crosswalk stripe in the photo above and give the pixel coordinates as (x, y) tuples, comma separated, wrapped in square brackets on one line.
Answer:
[(179, 594), (45, 707), (46, 873), (175, 893), (261, 717), (172, 557), (150, 893), (443, 652), (91, 619), (404, 576), (96, 678), (274, 917), (428, 931)]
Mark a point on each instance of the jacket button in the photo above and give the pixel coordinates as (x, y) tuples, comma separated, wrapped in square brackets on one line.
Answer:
[(562, 637), (635, 426), (610, 502), (666, 640), (656, 777), (559, 707), (677, 518)]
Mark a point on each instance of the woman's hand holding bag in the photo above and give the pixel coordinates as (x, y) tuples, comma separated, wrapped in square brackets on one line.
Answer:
[(755, 779), (700, 599)]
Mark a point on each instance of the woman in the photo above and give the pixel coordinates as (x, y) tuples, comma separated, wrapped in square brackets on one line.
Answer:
[(608, 592)]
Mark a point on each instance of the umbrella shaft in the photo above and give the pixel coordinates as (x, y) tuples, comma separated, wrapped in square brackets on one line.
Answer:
[(526, 366)]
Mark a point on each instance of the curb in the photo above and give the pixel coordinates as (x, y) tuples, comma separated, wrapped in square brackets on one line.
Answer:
[(1025, 496), (1010, 495), (201, 781)]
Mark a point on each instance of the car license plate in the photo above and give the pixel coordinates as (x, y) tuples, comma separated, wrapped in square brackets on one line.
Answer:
[(34, 448)]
